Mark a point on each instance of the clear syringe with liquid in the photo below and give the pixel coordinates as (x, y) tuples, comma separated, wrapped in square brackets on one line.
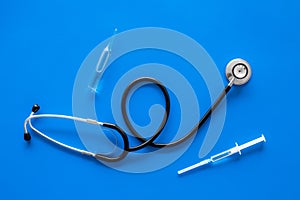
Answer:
[(225, 154)]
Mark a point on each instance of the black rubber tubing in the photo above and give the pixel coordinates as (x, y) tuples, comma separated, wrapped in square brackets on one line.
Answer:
[(150, 141)]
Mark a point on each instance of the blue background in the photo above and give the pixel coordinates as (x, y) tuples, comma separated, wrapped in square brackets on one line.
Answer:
[(43, 44)]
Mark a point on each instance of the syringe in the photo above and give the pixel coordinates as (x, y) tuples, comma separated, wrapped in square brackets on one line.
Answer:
[(224, 154), (102, 63)]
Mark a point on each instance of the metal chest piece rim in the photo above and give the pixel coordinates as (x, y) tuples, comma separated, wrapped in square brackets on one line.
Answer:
[(240, 70)]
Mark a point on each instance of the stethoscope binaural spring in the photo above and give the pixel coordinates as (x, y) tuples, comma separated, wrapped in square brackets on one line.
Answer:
[(238, 72)]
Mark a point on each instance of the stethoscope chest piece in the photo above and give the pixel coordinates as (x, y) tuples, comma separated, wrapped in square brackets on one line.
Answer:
[(238, 69)]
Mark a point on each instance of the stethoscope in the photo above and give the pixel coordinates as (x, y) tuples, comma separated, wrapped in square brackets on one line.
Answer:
[(238, 72)]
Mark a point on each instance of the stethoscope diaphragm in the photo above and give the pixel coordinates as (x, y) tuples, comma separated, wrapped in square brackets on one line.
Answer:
[(238, 69)]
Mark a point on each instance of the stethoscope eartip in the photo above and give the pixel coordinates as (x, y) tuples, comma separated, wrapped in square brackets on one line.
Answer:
[(238, 69), (35, 108), (27, 136)]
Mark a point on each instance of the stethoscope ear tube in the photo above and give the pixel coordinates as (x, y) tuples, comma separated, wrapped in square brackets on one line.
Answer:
[(99, 156)]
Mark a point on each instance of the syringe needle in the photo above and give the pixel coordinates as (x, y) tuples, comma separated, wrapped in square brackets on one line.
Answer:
[(224, 154), (199, 164)]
